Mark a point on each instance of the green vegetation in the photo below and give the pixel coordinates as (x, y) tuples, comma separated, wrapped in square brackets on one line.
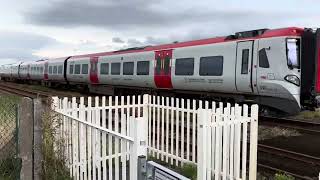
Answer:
[(309, 115), (53, 160), (188, 170), (8, 106), (283, 176), (10, 168), (10, 164)]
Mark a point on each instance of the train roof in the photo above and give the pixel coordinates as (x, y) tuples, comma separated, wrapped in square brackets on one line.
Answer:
[(255, 34)]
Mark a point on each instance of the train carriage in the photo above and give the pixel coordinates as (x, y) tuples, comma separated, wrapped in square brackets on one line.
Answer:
[(24, 71), (275, 68), (54, 69), (77, 70), (37, 70)]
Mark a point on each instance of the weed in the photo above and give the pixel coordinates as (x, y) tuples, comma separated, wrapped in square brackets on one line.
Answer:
[(53, 166), (283, 176)]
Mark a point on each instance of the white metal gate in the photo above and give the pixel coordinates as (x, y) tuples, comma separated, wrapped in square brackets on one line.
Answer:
[(223, 140), (103, 141)]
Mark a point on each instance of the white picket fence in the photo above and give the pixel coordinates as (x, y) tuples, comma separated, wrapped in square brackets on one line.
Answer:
[(177, 131), (222, 139)]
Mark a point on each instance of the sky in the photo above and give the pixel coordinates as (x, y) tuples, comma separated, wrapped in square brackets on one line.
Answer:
[(33, 29)]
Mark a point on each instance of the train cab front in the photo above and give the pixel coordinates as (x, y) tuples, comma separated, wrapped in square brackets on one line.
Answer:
[(310, 69)]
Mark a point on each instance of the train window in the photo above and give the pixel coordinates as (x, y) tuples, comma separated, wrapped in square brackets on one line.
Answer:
[(293, 53), (55, 69), (60, 69), (50, 69), (143, 68), (41, 69), (77, 69), (128, 68), (115, 68), (245, 61), (104, 68), (84, 69), (185, 66), (71, 69), (263, 59), (211, 66)]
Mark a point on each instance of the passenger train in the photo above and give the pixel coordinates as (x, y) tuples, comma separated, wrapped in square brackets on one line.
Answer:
[(276, 68)]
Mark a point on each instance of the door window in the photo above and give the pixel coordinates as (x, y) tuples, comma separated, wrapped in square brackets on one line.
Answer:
[(263, 59), (71, 68), (245, 61), (93, 67), (158, 65), (166, 67)]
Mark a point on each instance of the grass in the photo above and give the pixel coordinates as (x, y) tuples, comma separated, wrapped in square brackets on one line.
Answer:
[(8, 106), (10, 168), (309, 115), (9, 163), (283, 176), (188, 170)]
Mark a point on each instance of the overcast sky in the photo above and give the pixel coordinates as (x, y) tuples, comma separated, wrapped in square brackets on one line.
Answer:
[(34, 29)]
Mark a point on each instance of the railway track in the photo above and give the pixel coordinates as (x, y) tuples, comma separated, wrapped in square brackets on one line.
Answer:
[(21, 92), (290, 123), (264, 150), (296, 164), (304, 162)]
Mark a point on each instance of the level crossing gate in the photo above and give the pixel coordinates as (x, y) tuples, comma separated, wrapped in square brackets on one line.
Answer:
[(104, 138)]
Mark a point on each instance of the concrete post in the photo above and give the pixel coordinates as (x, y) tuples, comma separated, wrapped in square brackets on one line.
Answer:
[(39, 109), (26, 138)]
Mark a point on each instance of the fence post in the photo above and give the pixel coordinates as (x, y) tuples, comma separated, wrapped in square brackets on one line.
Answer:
[(25, 136), (145, 112), (55, 103), (201, 144), (253, 142), (38, 111), (138, 148)]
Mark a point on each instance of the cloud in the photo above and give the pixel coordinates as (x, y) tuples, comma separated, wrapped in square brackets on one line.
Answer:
[(20, 46), (125, 15), (79, 13), (117, 40)]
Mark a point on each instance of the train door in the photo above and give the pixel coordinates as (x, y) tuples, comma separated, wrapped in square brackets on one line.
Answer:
[(94, 70), (45, 74), (28, 71), (244, 67), (162, 70)]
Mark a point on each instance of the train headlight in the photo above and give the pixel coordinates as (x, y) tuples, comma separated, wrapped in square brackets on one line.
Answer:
[(293, 79)]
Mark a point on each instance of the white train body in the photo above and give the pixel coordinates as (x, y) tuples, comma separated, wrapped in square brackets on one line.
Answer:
[(264, 66)]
